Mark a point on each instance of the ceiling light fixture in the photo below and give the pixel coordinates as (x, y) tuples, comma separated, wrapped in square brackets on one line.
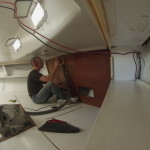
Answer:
[(23, 7)]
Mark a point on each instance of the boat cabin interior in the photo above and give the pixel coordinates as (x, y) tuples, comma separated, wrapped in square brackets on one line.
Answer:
[(104, 51)]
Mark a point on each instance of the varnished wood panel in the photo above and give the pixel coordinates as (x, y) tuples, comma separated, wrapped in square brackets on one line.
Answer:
[(91, 70)]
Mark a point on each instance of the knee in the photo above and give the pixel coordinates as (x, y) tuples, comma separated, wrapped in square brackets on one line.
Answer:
[(36, 101), (49, 83)]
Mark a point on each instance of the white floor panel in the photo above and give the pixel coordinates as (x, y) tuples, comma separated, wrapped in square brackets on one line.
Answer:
[(41, 119), (123, 122), (82, 118), (80, 115), (6, 97), (26, 102), (31, 139)]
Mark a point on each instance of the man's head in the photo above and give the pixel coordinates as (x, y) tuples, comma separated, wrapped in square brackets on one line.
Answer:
[(37, 63)]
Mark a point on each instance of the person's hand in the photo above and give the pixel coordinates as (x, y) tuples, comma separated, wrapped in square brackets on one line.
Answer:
[(57, 62)]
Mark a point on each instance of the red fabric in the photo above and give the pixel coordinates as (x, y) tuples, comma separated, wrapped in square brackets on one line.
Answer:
[(55, 120)]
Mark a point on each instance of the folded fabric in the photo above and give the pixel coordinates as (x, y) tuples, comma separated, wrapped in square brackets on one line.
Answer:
[(58, 126)]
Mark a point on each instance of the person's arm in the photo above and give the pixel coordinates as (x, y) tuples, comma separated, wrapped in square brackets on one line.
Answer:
[(52, 75)]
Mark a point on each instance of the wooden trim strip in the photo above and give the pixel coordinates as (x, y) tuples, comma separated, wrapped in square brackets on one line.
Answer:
[(99, 13)]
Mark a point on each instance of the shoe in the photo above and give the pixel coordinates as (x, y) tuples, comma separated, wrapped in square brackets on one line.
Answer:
[(59, 103), (73, 100)]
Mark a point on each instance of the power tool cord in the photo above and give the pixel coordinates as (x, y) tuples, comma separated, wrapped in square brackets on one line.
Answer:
[(54, 109)]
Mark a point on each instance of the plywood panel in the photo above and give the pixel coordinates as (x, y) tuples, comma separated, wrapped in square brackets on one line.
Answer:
[(91, 70)]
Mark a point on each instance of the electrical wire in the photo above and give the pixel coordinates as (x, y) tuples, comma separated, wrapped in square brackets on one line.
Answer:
[(43, 42), (7, 7), (89, 52), (54, 41), (63, 45), (138, 59), (34, 35), (5, 2), (39, 108), (139, 65), (135, 65), (53, 109), (19, 21)]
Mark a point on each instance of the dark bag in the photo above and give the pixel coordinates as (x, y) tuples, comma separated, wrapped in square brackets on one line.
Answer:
[(58, 126)]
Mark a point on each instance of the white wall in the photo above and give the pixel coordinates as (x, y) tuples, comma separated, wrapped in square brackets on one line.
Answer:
[(13, 85), (16, 84), (16, 80), (123, 65), (2, 84)]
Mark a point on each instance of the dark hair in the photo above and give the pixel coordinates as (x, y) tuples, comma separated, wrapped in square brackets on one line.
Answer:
[(34, 61)]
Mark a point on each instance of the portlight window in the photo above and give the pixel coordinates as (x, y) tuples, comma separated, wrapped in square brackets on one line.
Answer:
[(17, 45), (37, 15)]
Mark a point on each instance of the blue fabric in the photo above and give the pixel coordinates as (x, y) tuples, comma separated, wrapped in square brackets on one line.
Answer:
[(47, 92)]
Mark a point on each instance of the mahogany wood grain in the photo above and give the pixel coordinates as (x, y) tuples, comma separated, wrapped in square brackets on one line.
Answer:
[(91, 70)]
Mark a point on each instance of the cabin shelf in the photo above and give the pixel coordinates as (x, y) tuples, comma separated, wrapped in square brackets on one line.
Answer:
[(15, 70), (14, 76)]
